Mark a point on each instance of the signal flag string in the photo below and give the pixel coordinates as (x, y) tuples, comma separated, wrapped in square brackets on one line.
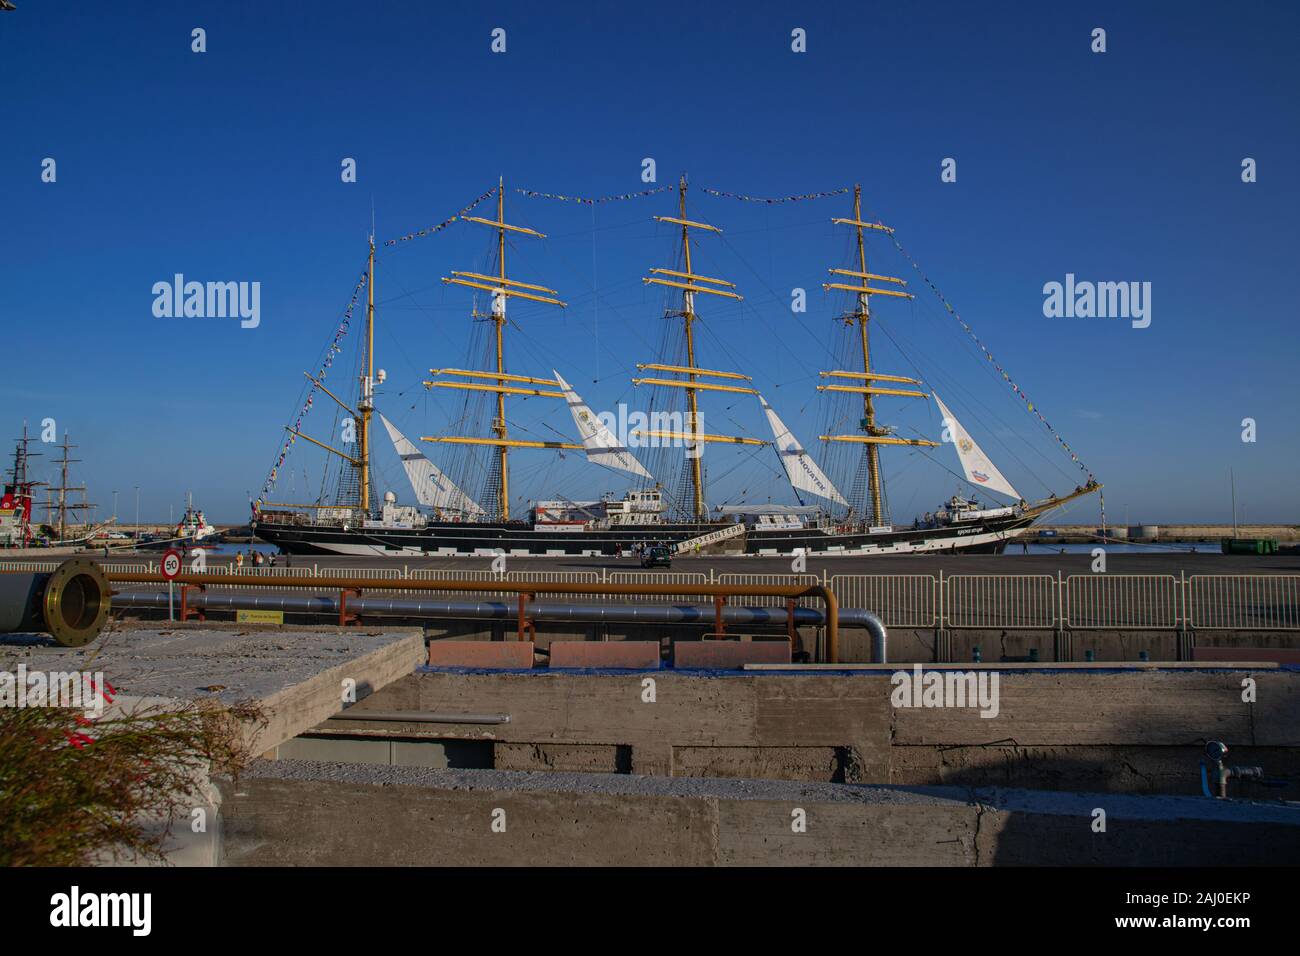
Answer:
[(592, 201), (442, 225), (783, 199), (989, 355), (334, 349)]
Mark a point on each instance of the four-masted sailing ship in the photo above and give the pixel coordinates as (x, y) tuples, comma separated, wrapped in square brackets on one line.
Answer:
[(448, 521)]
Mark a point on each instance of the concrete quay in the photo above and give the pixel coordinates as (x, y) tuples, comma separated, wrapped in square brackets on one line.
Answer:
[(305, 813), (1137, 730), (775, 766)]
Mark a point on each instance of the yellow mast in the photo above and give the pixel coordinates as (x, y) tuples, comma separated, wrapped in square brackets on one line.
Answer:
[(868, 404), (873, 435), (502, 288), (499, 319), (366, 405), (688, 307), (690, 286)]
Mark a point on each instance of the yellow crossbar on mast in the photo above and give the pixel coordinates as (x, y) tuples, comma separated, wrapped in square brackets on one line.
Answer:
[(692, 371), (869, 390), (865, 290), (863, 225), (692, 278), (499, 389), (707, 386), (503, 376), (355, 461), (495, 442), (879, 440), (693, 288), (872, 375), (689, 224), (322, 387), (700, 436), (509, 282), (497, 224), (503, 291), (866, 275)]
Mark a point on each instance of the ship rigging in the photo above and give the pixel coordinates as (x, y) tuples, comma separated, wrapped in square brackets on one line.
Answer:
[(461, 523)]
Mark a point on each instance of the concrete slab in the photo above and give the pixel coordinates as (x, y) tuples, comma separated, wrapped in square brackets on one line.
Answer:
[(638, 655), (729, 655), (297, 674), (483, 655)]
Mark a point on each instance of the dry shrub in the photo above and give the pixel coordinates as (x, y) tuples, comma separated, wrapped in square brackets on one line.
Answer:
[(75, 791)]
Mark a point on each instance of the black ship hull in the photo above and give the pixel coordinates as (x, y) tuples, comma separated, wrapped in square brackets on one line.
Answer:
[(484, 539)]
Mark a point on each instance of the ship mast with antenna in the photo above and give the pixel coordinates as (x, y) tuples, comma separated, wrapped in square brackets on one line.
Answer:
[(64, 506), (20, 487), (690, 284), (502, 289), (361, 415), (873, 434), (366, 404)]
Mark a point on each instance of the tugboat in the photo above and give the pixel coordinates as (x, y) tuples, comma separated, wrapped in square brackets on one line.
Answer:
[(193, 526), (16, 501)]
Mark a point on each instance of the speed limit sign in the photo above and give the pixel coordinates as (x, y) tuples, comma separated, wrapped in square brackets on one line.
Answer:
[(171, 564)]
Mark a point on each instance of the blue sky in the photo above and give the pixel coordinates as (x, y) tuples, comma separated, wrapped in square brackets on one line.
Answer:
[(1122, 166)]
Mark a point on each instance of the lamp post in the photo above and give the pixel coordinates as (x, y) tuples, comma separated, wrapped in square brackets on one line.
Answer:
[(137, 517)]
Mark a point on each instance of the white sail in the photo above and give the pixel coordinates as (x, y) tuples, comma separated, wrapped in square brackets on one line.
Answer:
[(802, 471), (600, 443), (979, 469), (432, 488)]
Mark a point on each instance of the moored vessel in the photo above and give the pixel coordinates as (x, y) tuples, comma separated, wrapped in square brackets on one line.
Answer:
[(661, 506)]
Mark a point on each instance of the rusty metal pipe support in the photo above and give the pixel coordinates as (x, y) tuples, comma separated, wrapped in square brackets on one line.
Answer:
[(826, 595), (643, 613), (832, 621), (328, 605)]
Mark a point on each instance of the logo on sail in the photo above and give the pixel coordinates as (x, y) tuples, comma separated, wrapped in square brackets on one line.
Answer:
[(975, 464)]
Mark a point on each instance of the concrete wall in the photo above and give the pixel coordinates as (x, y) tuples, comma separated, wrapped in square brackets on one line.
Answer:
[(905, 645), (295, 813), (1088, 729)]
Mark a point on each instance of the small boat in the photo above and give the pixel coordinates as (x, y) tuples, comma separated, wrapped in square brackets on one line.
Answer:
[(193, 526)]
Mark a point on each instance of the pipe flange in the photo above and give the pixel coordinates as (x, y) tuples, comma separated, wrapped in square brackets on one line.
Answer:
[(76, 602)]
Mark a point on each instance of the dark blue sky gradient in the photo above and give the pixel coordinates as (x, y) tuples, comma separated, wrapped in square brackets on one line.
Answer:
[(225, 166)]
